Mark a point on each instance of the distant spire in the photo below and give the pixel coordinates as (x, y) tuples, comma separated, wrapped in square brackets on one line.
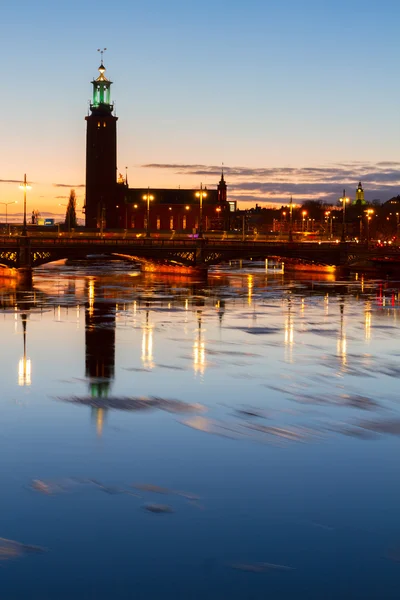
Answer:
[(222, 172), (126, 175)]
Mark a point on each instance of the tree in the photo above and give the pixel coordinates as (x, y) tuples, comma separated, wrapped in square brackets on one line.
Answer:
[(315, 209), (70, 215)]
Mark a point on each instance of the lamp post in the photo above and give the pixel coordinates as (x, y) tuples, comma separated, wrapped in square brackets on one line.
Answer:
[(148, 197), (344, 201), (6, 205), (369, 212), (201, 194), (397, 227), (291, 219), (329, 221), (283, 222), (24, 186), (304, 214)]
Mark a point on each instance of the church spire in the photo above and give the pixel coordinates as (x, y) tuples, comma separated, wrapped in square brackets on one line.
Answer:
[(222, 187)]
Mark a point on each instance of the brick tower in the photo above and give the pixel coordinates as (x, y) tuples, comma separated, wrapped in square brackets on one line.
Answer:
[(101, 156)]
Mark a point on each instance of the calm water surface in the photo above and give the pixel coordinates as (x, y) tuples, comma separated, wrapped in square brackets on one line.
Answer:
[(164, 438)]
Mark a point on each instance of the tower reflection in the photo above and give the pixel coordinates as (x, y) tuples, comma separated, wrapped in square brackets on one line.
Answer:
[(100, 318)]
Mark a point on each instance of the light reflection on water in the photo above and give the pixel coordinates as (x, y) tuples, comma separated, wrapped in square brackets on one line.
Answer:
[(167, 438)]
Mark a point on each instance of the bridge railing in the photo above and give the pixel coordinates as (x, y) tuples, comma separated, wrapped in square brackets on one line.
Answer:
[(113, 244), (156, 242)]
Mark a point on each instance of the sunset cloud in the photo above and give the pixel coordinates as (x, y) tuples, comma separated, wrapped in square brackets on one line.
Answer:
[(69, 185), (10, 181), (380, 180)]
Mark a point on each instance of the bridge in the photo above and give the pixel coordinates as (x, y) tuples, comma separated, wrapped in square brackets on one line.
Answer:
[(24, 253)]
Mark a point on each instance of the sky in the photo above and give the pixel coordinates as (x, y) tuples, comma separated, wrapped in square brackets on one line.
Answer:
[(294, 97)]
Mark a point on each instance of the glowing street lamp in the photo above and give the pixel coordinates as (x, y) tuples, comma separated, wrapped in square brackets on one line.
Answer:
[(369, 212), (344, 200), (283, 220), (148, 197), (329, 218), (304, 214), (24, 186), (201, 194), (291, 219)]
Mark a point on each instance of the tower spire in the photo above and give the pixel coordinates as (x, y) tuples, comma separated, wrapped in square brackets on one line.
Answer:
[(222, 187), (101, 50), (101, 100)]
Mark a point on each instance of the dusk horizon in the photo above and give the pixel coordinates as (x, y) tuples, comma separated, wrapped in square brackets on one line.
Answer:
[(288, 109)]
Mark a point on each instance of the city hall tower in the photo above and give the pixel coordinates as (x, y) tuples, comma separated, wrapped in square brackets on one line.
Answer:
[(101, 156)]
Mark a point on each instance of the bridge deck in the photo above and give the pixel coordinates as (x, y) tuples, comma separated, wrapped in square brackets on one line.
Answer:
[(35, 250)]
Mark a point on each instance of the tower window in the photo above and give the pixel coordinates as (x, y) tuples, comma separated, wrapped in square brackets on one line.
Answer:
[(98, 124), (104, 124)]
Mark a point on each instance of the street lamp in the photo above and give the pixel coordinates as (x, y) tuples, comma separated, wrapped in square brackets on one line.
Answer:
[(6, 205), (304, 213), (201, 194), (148, 197), (369, 212), (24, 186), (291, 219), (344, 201), (283, 221), (329, 218)]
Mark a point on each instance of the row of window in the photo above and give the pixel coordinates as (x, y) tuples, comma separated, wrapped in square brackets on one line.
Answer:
[(158, 223)]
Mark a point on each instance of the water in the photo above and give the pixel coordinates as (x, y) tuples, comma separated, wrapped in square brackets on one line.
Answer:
[(162, 438)]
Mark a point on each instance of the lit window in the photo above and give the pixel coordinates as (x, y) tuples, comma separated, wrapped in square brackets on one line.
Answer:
[(98, 124), (171, 222), (104, 124), (158, 223), (184, 222)]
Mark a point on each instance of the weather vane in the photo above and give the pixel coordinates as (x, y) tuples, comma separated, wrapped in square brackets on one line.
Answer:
[(101, 50)]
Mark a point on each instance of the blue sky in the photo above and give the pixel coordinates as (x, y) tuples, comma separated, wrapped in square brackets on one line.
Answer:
[(274, 90)]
